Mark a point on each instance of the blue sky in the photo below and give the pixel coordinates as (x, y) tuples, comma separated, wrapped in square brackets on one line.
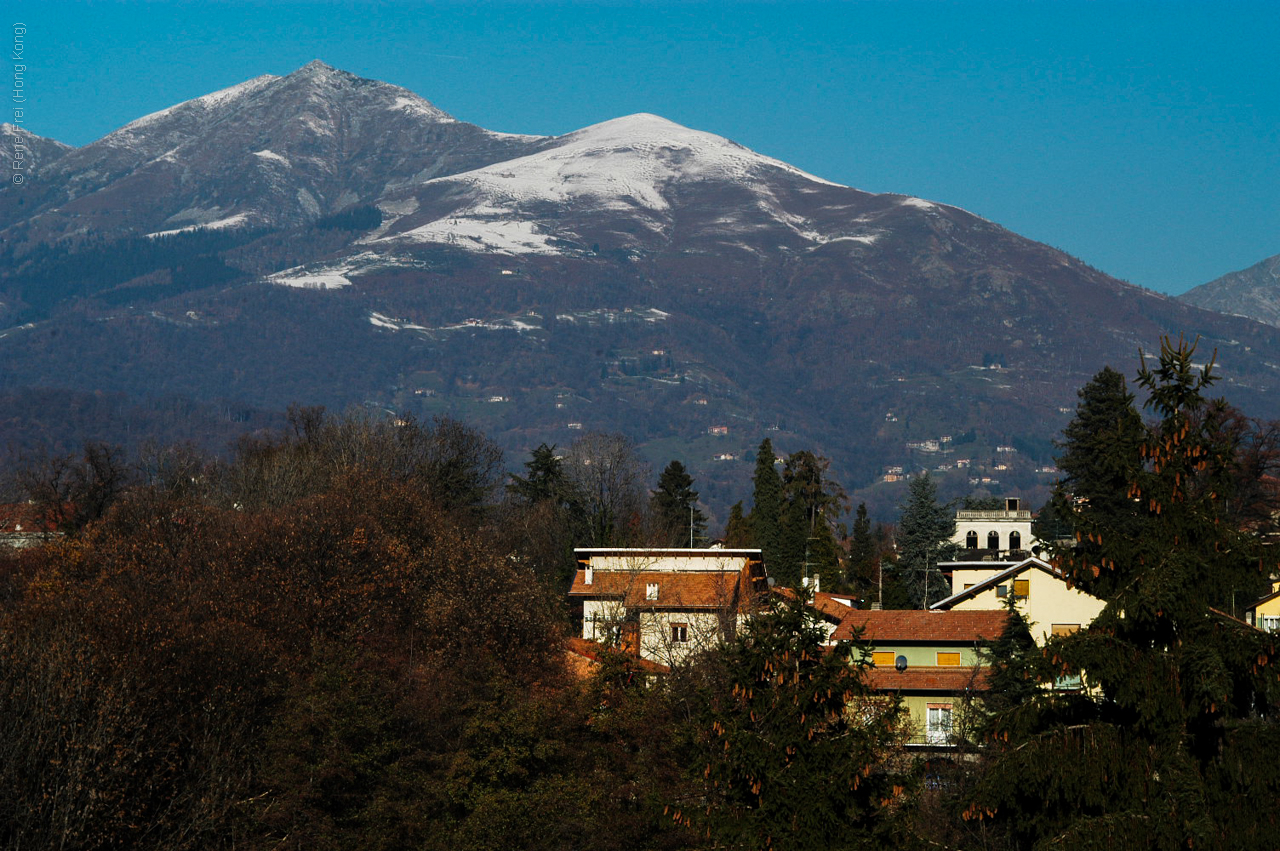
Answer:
[(1142, 137)]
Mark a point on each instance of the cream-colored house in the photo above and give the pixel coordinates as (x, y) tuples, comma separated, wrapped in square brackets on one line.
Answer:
[(998, 531), (1040, 592), (662, 604)]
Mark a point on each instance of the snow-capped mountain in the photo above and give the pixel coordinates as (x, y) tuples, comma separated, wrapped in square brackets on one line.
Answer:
[(342, 241), (1252, 292), (271, 152)]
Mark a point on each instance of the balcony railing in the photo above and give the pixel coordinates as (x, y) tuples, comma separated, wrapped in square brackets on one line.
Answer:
[(995, 514)]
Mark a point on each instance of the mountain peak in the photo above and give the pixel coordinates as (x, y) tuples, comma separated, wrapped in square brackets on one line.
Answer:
[(316, 66)]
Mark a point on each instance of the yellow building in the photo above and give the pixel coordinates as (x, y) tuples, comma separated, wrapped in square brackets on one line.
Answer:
[(933, 662), (1265, 613), (1040, 592)]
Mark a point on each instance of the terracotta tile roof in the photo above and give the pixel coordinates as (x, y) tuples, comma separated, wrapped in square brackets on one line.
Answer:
[(827, 605), (584, 657), (702, 590), (927, 678), (922, 626), (24, 518), (830, 605)]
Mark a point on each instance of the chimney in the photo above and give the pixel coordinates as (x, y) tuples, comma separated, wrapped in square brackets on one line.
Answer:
[(589, 575)]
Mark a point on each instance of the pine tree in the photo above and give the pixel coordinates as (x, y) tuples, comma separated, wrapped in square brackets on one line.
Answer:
[(810, 503), (1157, 752), (737, 532), (795, 752), (1015, 670), (766, 509), (924, 540), (863, 554), (674, 505), (544, 478), (1100, 457)]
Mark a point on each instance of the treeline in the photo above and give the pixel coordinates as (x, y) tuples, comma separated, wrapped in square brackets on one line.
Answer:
[(350, 634)]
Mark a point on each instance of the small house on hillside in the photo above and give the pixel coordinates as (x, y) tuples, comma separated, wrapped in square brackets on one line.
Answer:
[(1043, 595), (662, 604), (25, 524), (932, 660)]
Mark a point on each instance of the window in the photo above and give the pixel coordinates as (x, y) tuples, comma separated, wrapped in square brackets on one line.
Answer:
[(1002, 590), (679, 632), (1015, 540), (968, 585), (882, 658), (1021, 589), (948, 658), (1269, 623), (993, 540), (1065, 628), (938, 723), (651, 591), (971, 540)]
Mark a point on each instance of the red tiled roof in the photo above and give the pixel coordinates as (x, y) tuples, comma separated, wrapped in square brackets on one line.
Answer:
[(922, 626), (703, 590), (585, 656), (23, 518), (830, 605), (927, 678)]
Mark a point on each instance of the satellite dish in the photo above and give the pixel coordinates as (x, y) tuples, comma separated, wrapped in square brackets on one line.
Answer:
[(900, 663)]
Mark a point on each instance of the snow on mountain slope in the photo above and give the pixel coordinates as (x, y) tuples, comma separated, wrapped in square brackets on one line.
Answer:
[(274, 151), (631, 167)]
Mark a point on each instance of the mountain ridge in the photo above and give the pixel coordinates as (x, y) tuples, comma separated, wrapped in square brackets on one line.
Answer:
[(323, 239)]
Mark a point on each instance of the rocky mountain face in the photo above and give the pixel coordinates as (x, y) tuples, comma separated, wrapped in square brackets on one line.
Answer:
[(325, 239), (19, 145), (272, 151), (1252, 292)]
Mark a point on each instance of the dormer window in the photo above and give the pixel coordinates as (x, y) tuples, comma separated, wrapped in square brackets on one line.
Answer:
[(651, 591)]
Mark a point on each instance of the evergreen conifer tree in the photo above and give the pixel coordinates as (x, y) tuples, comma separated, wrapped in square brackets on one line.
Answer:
[(924, 540), (766, 509), (862, 554), (1161, 752), (1100, 458), (795, 750), (675, 507), (738, 532), (810, 504)]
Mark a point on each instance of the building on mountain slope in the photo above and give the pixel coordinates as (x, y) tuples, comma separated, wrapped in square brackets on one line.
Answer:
[(24, 524), (664, 604)]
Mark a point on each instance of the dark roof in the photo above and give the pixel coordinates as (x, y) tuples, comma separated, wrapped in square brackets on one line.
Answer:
[(923, 626)]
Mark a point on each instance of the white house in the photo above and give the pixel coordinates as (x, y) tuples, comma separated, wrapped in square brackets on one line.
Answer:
[(999, 531), (662, 604)]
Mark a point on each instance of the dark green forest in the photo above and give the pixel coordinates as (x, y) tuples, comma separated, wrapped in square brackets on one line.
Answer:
[(350, 633)]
